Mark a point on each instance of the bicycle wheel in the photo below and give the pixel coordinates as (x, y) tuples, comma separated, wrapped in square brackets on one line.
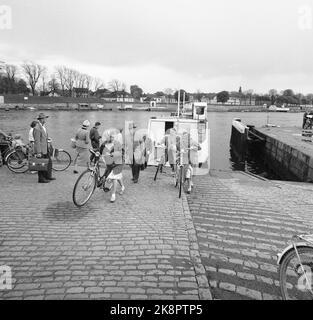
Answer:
[(293, 281), (17, 161), (61, 160), (5, 154), (84, 187)]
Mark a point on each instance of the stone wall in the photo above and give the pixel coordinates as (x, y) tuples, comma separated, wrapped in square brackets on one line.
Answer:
[(288, 162)]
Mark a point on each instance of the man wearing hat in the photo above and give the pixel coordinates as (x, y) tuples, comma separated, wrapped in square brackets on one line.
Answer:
[(133, 151), (41, 148)]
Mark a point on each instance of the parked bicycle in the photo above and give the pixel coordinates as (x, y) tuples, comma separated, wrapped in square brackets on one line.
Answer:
[(8, 143), (89, 180), (18, 157), (296, 269), (179, 173), (61, 159)]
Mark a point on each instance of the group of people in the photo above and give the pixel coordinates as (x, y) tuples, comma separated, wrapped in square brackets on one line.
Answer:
[(38, 142), (115, 149)]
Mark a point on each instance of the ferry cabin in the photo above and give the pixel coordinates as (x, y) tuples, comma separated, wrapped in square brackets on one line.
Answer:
[(192, 119)]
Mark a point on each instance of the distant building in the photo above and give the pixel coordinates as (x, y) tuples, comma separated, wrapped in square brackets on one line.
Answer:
[(236, 99), (80, 92), (203, 97), (122, 96), (119, 96)]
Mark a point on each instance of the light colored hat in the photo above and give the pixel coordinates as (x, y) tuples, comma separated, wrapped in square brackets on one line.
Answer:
[(86, 123), (42, 116)]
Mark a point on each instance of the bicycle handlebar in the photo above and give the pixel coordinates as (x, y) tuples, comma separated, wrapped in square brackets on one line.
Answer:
[(96, 153)]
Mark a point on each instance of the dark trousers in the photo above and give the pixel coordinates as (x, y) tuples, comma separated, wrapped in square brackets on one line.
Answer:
[(95, 148), (46, 175), (135, 170)]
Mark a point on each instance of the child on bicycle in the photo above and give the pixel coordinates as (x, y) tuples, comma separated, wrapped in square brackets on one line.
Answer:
[(113, 158)]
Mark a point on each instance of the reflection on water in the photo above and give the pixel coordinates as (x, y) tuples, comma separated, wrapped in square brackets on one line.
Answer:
[(62, 125)]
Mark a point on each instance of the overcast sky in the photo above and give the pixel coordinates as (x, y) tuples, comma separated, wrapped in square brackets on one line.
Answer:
[(207, 45)]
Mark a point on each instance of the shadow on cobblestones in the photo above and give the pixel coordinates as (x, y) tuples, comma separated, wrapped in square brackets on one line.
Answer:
[(65, 211)]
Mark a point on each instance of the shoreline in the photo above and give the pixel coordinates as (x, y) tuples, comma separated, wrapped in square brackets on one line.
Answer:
[(258, 110), (113, 106)]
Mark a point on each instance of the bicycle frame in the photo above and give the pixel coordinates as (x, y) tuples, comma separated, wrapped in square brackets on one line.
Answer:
[(96, 168)]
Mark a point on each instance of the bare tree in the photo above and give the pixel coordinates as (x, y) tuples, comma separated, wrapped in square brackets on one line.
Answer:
[(273, 95), (88, 81), (32, 72), (98, 84), (61, 75), (76, 78), (44, 82), (116, 85), (10, 72), (169, 92), (248, 93), (272, 92), (53, 85), (70, 77)]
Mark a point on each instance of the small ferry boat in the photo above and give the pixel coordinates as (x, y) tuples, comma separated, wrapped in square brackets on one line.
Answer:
[(191, 118), (157, 108), (126, 107), (278, 109), (141, 108), (31, 108)]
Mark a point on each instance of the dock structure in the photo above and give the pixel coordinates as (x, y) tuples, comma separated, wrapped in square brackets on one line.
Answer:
[(287, 152)]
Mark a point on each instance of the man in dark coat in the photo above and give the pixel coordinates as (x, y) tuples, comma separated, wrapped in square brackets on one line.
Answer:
[(95, 139), (41, 149)]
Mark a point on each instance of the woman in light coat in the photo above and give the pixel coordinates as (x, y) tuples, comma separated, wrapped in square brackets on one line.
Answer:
[(82, 145)]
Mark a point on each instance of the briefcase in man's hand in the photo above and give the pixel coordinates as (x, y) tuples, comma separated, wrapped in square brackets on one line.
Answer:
[(38, 164)]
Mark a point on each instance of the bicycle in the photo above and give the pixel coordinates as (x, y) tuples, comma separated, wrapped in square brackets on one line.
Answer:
[(9, 147), (60, 158), (161, 162), (17, 159), (89, 180), (296, 269), (179, 176)]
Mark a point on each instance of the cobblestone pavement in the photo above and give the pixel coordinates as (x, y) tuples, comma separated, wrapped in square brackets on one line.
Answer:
[(242, 222), (144, 246)]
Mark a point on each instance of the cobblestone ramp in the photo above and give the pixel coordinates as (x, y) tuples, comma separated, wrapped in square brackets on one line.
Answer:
[(141, 247), (242, 223)]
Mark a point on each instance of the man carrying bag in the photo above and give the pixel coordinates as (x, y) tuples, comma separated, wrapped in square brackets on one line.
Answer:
[(41, 150)]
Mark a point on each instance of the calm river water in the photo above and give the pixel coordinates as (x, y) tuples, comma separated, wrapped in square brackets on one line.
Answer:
[(62, 126)]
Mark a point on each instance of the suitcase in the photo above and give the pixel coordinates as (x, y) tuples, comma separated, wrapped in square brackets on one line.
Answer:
[(38, 164)]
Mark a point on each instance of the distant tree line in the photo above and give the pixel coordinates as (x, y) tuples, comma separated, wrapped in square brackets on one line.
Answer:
[(33, 78)]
